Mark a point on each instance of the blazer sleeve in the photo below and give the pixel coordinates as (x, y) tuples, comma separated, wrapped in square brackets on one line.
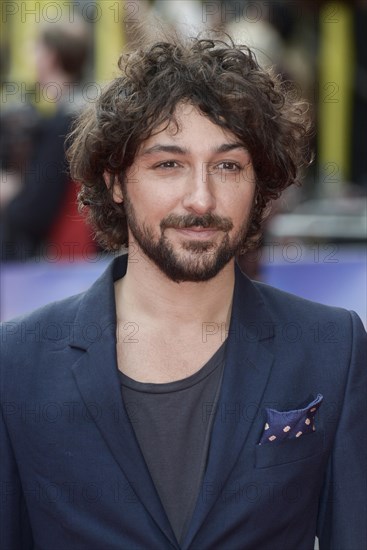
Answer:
[(15, 528), (343, 505)]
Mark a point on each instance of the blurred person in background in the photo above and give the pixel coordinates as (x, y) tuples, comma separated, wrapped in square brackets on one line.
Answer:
[(38, 199)]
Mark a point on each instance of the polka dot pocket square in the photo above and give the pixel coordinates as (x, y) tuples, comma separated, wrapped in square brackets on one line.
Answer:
[(290, 424)]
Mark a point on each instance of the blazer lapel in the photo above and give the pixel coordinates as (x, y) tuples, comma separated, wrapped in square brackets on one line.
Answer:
[(96, 376), (246, 372)]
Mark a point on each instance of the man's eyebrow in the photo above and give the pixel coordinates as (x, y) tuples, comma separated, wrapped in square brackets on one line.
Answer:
[(160, 148), (226, 147), (175, 149)]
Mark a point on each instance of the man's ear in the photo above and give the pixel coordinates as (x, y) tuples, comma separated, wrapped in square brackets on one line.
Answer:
[(112, 182)]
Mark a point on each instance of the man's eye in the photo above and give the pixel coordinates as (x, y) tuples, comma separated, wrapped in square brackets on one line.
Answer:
[(167, 164), (229, 166)]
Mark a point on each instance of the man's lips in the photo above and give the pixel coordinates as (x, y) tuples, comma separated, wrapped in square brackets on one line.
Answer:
[(198, 232)]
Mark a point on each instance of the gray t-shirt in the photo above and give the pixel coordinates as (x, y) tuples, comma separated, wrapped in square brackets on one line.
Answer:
[(172, 423)]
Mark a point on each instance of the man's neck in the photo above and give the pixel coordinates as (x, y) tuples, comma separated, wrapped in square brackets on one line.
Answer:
[(148, 293)]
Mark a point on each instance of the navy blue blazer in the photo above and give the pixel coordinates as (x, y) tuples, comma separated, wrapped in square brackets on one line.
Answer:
[(73, 476)]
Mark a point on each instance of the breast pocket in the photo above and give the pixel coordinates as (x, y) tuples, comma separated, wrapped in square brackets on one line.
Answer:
[(289, 450)]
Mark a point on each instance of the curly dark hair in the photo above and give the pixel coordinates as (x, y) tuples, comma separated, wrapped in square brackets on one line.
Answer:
[(227, 84)]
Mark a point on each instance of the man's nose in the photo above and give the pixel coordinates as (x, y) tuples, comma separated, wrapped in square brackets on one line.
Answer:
[(199, 197)]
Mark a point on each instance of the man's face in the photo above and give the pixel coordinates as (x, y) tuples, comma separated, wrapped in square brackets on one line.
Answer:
[(188, 197)]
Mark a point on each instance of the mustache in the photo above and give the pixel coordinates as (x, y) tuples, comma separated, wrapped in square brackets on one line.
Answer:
[(208, 221)]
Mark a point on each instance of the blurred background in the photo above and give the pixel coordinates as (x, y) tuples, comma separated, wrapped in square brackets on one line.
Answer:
[(57, 55)]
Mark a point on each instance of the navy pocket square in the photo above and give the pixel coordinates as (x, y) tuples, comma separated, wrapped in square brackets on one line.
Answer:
[(282, 425)]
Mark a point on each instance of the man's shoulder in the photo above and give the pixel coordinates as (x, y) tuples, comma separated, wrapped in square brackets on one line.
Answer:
[(282, 303), (93, 303), (49, 323), (300, 321), (321, 322)]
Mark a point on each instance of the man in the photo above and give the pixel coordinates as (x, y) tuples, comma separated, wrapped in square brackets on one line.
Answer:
[(168, 407)]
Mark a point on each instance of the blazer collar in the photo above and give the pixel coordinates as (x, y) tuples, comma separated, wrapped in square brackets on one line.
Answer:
[(96, 316), (247, 369)]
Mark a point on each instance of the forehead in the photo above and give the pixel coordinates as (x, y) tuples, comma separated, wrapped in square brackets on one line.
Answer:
[(190, 127)]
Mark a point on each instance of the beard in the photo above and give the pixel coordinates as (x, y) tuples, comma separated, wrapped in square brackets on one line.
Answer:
[(198, 261)]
